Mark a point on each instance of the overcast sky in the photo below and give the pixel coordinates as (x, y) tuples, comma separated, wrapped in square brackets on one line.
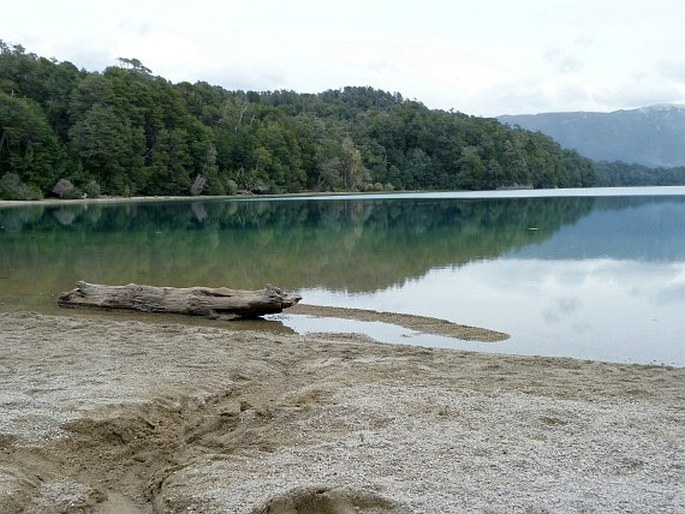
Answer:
[(481, 57)]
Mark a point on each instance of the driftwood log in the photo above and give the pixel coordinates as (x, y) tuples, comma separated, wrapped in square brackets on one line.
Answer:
[(219, 302)]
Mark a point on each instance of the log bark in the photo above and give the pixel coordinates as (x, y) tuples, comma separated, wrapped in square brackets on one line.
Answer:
[(196, 301)]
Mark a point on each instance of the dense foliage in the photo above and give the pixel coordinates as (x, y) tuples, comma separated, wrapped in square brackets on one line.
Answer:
[(65, 132)]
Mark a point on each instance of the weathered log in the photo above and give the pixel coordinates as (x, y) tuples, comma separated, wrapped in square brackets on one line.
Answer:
[(195, 301)]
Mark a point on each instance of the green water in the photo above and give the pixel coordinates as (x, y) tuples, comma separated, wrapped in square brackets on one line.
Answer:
[(371, 252), (358, 245)]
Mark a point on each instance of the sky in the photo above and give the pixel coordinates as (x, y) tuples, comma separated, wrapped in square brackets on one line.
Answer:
[(480, 57)]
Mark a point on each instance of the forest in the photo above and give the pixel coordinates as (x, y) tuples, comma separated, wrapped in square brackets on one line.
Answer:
[(68, 132), (616, 173)]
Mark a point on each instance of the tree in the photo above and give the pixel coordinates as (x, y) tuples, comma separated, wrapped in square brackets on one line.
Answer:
[(352, 167), (131, 132), (28, 146), (170, 166), (471, 169), (104, 146), (64, 188), (133, 64), (198, 185)]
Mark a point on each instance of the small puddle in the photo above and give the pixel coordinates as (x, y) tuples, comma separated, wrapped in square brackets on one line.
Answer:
[(377, 330)]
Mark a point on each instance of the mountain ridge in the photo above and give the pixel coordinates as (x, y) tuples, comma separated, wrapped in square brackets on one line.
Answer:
[(650, 136)]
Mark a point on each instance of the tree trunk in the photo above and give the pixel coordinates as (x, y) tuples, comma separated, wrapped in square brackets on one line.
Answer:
[(196, 301)]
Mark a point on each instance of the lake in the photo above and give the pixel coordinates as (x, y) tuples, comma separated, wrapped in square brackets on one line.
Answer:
[(591, 274)]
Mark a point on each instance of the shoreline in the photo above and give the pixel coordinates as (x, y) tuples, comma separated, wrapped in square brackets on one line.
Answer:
[(479, 194), (104, 416), (171, 198), (111, 199), (424, 324)]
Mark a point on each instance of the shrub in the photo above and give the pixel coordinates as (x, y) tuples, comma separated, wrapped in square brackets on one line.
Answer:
[(64, 189), (12, 188), (92, 189), (231, 186)]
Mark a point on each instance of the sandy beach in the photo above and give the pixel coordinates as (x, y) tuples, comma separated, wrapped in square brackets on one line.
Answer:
[(109, 415)]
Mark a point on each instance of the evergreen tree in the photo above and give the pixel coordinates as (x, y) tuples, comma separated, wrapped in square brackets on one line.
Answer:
[(28, 146)]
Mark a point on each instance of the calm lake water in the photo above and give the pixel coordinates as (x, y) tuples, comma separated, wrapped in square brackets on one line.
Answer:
[(591, 274)]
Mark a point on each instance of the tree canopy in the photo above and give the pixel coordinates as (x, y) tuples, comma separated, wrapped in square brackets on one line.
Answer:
[(124, 131)]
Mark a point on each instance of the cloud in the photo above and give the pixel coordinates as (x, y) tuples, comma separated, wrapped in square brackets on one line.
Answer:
[(90, 54), (673, 294), (672, 70), (537, 94), (562, 62), (584, 41), (638, 91), (529, 58), (560, 309)]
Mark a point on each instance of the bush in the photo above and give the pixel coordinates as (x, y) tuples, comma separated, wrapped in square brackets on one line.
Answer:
[(12, 188), (215, 186), (65, 189), (231, 187), (92, 189)]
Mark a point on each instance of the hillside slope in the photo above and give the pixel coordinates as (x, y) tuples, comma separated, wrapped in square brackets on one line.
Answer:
[(650, 136), (123, 131)]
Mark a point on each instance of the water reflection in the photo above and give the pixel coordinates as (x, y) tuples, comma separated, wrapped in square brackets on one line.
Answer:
[(580, 276), (600, 309), (357, 246)]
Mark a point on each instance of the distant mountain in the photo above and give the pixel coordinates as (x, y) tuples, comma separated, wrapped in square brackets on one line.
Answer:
[(650, 136)]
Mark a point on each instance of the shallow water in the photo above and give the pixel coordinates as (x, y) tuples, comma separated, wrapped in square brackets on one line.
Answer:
[(592, 274)]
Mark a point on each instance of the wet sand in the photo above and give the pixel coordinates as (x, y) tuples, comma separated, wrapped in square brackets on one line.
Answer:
[(421, 324), (115, 415)]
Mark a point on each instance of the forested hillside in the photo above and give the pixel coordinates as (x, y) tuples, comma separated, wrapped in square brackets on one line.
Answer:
[(124, 131)]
